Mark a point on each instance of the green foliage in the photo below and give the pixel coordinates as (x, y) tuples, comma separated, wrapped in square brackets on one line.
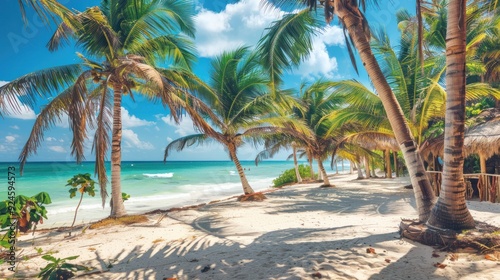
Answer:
[(125, 196), (82, 183), (27, 211), (471, 164), (59, 269), (289, 176), (476, 108)]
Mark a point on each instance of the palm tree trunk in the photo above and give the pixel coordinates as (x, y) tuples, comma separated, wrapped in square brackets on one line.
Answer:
[(117, 207), (326, 181), (296, 164), (396, 167), (422, 188), (247, 189), (311, 169), (360, 172), (450, 212), (367, 168), (388, 168)]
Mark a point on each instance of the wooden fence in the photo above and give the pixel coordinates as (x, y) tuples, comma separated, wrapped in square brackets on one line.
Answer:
[(482, 185)]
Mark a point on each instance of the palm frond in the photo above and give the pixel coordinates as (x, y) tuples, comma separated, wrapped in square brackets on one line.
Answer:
[(41, 83), (100, 145), (50, 115), (186, 141), (96, 35), (287, 42), (157, 18), (176, 47)]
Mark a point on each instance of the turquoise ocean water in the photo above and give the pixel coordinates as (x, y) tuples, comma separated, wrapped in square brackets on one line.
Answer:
[(151, 185)]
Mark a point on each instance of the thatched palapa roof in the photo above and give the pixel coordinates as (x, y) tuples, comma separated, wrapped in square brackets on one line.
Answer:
[(482, 136)]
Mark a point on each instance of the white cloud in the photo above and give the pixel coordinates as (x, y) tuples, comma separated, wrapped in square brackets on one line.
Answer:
[(63, 122), (14, 127), (50, 139), (319, 63), (57, 149), (129, 121), (10, 139), (169, 139), (185, 127), (239, 24), (244, 23), (131, 140)]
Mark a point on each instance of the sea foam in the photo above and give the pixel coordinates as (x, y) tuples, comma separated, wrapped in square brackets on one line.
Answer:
[(159, 175)]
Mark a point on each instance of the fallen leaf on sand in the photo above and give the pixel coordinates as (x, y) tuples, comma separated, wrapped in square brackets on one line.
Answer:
[(490, 257), (387, 260), (453, 257), (370, 251), (317, 275), (434, 255), (172, 278), (439, 265)]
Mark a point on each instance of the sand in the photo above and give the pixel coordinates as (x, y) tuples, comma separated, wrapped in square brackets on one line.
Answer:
[(299, 232)]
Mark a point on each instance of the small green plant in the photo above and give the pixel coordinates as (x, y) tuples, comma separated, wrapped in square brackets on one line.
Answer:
[(59, 268), (289, 176), (22, 213), (81, 183), (125, 196)]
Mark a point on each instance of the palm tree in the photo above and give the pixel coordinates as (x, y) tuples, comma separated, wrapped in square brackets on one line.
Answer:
[(356, 26), (450, 211), (241, 103), (123, 39)]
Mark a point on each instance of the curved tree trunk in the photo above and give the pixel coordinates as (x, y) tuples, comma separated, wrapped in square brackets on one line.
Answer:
[(296, 164), (360, 172), (311, 169), (367, 168), (450, 212), (326, 181), (247, 189), (422, 188), (117, 207)]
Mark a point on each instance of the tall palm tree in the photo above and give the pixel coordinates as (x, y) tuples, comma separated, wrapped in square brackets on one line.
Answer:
[(356, 26), (241, 104), (122, 40), (450, 211)]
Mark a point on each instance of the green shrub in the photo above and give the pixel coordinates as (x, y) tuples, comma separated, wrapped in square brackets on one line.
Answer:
[(289, 176), (21, 213)]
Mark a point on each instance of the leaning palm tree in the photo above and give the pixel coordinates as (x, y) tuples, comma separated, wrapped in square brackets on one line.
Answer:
[(357, 34), (122, 40), (241, 104)]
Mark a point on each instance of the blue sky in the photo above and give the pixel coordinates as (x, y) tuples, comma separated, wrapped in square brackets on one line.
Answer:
[(221, 25)]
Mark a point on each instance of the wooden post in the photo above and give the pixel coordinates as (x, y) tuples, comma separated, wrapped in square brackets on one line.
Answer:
[(388, 169), (482, 162), (395, 156)]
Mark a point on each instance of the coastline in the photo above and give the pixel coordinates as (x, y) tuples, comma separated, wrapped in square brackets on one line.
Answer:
[(298, 232)]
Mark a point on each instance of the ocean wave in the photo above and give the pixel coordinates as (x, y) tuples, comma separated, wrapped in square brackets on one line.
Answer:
[(159, 175)]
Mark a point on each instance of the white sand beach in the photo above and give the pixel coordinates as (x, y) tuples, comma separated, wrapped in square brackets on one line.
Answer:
[(299, 232)]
